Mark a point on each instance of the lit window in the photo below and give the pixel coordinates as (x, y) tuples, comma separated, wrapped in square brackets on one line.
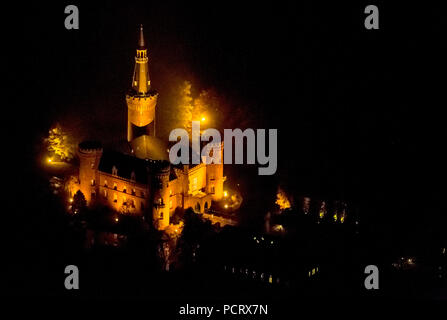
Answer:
[(194, 184), (105, 193), (93, 182), (105, 183), (170, 204), (115, 186)]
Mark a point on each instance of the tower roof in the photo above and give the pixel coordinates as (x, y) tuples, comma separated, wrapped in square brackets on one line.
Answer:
[(141, 44)]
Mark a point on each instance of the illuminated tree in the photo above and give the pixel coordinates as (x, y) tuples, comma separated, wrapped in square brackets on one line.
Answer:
[(185, 106), (202, 105), (192, 109), (282, 200), (79, 202), (59, 143)]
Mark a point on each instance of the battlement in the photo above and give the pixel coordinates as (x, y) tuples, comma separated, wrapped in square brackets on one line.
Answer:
[(141, 103), (133, 95), (90, 147)]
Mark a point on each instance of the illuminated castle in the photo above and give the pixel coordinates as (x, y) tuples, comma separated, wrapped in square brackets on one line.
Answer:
[(142, 182)]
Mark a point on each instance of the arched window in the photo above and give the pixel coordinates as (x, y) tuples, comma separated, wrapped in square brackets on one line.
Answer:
[(197, 207), (206, 205), (115, 187), (114, 171)]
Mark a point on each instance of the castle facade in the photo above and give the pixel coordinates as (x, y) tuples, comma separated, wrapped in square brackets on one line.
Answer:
[(143, 181)]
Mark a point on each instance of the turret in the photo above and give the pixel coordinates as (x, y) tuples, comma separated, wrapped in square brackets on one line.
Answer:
[(215, 177), (89, 153), (161, 198)]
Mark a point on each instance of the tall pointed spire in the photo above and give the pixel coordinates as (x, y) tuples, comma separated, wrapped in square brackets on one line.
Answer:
[(141, 82), (141, 43)]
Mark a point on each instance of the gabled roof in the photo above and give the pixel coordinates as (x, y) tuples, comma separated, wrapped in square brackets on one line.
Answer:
[(126, 164)]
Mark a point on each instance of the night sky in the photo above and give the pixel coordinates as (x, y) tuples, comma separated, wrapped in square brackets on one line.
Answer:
[(359, 113)]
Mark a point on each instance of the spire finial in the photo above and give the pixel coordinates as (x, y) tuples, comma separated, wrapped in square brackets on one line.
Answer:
[(141, 39)]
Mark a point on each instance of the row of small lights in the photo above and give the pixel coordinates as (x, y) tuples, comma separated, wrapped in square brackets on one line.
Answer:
[(253, 273)]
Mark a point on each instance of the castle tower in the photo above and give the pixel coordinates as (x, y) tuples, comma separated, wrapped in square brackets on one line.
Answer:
[(161, 199), (215, 177), (89, 156), (141, 99)]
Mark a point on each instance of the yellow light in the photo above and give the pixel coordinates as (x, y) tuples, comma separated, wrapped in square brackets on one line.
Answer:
[(49, 160), (226, 206), (203, 118), (225, 194), (116, 219), (71, 200)]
